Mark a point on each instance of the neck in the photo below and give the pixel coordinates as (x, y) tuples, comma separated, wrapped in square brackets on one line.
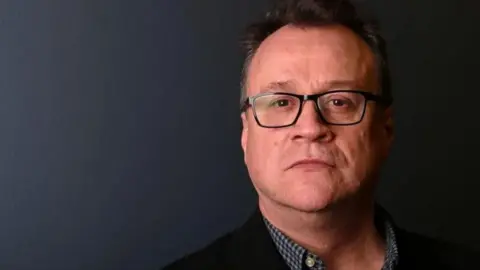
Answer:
[(342, 235)]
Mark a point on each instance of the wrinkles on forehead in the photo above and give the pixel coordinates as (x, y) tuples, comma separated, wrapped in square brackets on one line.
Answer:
[(312, 59), (290, 85)]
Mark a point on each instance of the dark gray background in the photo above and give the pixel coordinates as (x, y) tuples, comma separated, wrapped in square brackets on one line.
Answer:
[(120, 127)]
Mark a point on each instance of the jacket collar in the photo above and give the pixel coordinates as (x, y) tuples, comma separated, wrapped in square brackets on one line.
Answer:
[(252, 247)]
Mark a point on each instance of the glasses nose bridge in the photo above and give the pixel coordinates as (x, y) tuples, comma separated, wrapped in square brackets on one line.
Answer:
[(305, 98)]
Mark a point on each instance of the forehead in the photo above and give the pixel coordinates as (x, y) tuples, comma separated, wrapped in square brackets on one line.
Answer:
[(311, 58)]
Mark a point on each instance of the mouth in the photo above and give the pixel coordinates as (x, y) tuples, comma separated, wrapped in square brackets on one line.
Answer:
[(311, 164)]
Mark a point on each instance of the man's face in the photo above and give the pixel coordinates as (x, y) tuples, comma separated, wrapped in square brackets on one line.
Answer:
[(336, 161)]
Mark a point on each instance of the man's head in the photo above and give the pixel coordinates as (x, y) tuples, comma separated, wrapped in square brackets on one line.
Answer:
[(309, 154)]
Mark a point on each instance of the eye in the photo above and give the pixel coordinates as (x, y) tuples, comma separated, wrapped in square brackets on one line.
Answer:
[(280, 103), (340, 102)]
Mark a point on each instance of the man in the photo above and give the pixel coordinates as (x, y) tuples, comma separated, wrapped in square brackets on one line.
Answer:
[(317, 126)]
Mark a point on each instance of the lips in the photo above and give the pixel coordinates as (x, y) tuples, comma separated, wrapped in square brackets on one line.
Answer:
[(311, 163)]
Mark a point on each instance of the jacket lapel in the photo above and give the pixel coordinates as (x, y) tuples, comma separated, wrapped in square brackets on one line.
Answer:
[(253, 248)]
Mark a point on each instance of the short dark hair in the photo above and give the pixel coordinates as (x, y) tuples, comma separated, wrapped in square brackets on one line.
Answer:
[(306, 13)]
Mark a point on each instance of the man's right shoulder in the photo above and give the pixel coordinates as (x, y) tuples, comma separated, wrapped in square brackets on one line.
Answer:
[(247, 246), (212, 256)]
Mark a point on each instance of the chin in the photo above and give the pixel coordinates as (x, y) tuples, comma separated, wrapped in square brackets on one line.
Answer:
[(310, 198), (306, 191), (309, 203)]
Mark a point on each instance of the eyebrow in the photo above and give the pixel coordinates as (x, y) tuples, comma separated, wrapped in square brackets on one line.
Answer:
[(279, 85), (290, 85)]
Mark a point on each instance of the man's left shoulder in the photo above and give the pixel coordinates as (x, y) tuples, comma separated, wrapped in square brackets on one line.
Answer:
[(420, 250)]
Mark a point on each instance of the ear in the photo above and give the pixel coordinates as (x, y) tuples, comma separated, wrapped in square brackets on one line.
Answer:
[(389, 127), (244, 138)]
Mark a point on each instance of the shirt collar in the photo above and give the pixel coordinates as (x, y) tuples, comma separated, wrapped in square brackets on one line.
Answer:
[(297, 257)]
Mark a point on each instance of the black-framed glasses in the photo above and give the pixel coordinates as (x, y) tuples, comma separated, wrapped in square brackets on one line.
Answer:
[(339, 107)]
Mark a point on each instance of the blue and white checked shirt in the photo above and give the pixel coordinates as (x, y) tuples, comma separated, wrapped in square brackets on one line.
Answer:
[(298, 258)]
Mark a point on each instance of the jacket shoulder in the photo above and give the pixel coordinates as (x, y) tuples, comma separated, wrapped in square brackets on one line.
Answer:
[(209, 257), (416, 249), (246, 246)]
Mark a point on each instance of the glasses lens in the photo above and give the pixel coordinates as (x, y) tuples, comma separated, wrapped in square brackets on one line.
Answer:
[(342, 107), (276, 110)]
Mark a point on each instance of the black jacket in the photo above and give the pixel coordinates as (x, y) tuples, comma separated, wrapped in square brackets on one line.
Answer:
[(251, 247)]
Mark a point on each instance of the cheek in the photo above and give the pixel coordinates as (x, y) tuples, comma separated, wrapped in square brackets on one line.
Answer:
[(263, 148), (360, 152)]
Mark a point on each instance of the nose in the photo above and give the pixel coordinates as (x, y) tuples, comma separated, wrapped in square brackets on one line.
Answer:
[(310, 126)]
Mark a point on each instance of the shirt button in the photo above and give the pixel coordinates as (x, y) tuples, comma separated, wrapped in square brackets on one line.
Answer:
[(310, 262)]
